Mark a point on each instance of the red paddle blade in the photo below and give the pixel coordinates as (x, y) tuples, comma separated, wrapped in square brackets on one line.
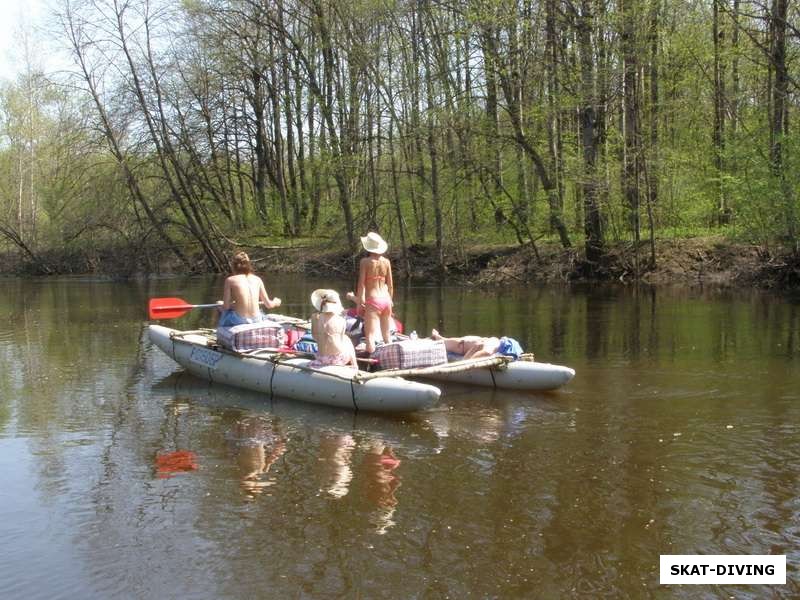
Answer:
[(167, 308)]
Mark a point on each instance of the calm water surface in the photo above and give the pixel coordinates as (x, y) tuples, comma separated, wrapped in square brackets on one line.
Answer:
[(122, 477)]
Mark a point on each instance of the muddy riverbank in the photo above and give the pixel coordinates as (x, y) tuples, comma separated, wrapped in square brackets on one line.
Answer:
[(694, 261)]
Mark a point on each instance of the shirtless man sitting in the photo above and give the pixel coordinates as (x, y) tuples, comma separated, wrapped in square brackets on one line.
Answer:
[(242, 294), (469, 346)]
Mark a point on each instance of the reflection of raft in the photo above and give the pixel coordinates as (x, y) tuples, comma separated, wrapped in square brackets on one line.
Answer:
[(288, 375)]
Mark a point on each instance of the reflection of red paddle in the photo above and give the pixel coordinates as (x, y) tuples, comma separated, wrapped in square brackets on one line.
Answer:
[(171, 308), (180, 461), (389, 462)]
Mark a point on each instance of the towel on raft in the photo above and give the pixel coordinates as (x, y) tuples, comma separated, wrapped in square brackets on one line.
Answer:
[(509, 347)]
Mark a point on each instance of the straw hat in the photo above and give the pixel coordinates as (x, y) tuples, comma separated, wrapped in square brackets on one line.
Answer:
[(327, 301), (372, 242)]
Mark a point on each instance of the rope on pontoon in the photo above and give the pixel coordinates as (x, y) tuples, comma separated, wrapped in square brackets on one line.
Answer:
[(209, 333), (273, 355), (459, 366), (353, 393)]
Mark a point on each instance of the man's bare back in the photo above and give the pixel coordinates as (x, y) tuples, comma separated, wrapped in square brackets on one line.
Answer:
[(243, 293)]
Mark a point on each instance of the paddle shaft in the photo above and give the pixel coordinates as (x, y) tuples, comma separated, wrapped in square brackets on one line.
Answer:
[(186, 306), (171, 308)]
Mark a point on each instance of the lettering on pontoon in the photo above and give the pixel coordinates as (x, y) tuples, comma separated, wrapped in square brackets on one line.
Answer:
[(204, 356)]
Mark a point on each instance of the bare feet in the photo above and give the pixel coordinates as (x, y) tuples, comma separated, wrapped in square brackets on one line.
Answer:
[(435, 335)]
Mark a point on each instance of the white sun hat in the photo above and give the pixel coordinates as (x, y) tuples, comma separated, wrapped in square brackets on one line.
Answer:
[(372, 242), (327, 301)]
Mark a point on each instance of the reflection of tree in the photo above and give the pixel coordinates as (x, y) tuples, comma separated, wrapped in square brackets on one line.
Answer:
[(598, 307), (74, 351), (257, 443), (7, 356)]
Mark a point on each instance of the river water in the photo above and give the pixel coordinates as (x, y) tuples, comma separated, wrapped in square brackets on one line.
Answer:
[(121, 476)]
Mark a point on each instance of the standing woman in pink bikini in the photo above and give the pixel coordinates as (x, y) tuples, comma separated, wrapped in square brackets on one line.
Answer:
[(375, 289)]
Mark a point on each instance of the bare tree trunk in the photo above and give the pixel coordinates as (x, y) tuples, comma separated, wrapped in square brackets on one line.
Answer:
[(239, 171), (592, 225), (735, 80), (630, 124), (490, 72), (723, 215), (514, 112), (372, 177), (779, 122), (303, 199), (397, 204), (77, 42), (420, 211), (653, 164), (258, 105), (288, 101), (434, 156), (277, 171), (555, 145), (177, 179)]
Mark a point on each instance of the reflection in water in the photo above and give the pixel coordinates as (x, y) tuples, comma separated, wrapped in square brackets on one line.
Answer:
[(380, 483), (376, 474), (559, 495), (483, 426), (179, 461), (335, 455), (257, 443)]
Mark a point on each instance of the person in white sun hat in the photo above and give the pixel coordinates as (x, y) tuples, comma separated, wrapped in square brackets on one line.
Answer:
[(328, 327), (375, 290)]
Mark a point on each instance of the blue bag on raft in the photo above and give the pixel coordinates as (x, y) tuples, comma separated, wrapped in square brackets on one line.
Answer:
[(509, 347)]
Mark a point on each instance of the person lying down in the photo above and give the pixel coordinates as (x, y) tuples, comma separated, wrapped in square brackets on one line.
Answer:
[(476, 346)]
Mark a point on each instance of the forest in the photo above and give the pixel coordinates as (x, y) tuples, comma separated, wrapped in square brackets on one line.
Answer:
[(186, 129)]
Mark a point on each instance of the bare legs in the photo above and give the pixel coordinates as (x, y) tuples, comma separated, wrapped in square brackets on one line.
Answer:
[(469, 346), (375, 322), (386, 324), (453, 345), (371, 327)]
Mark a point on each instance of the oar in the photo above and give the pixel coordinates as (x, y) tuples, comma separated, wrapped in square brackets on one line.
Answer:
[(172, 308)]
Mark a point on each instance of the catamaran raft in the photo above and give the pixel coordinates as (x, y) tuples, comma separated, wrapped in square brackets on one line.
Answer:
[(287, 374)]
